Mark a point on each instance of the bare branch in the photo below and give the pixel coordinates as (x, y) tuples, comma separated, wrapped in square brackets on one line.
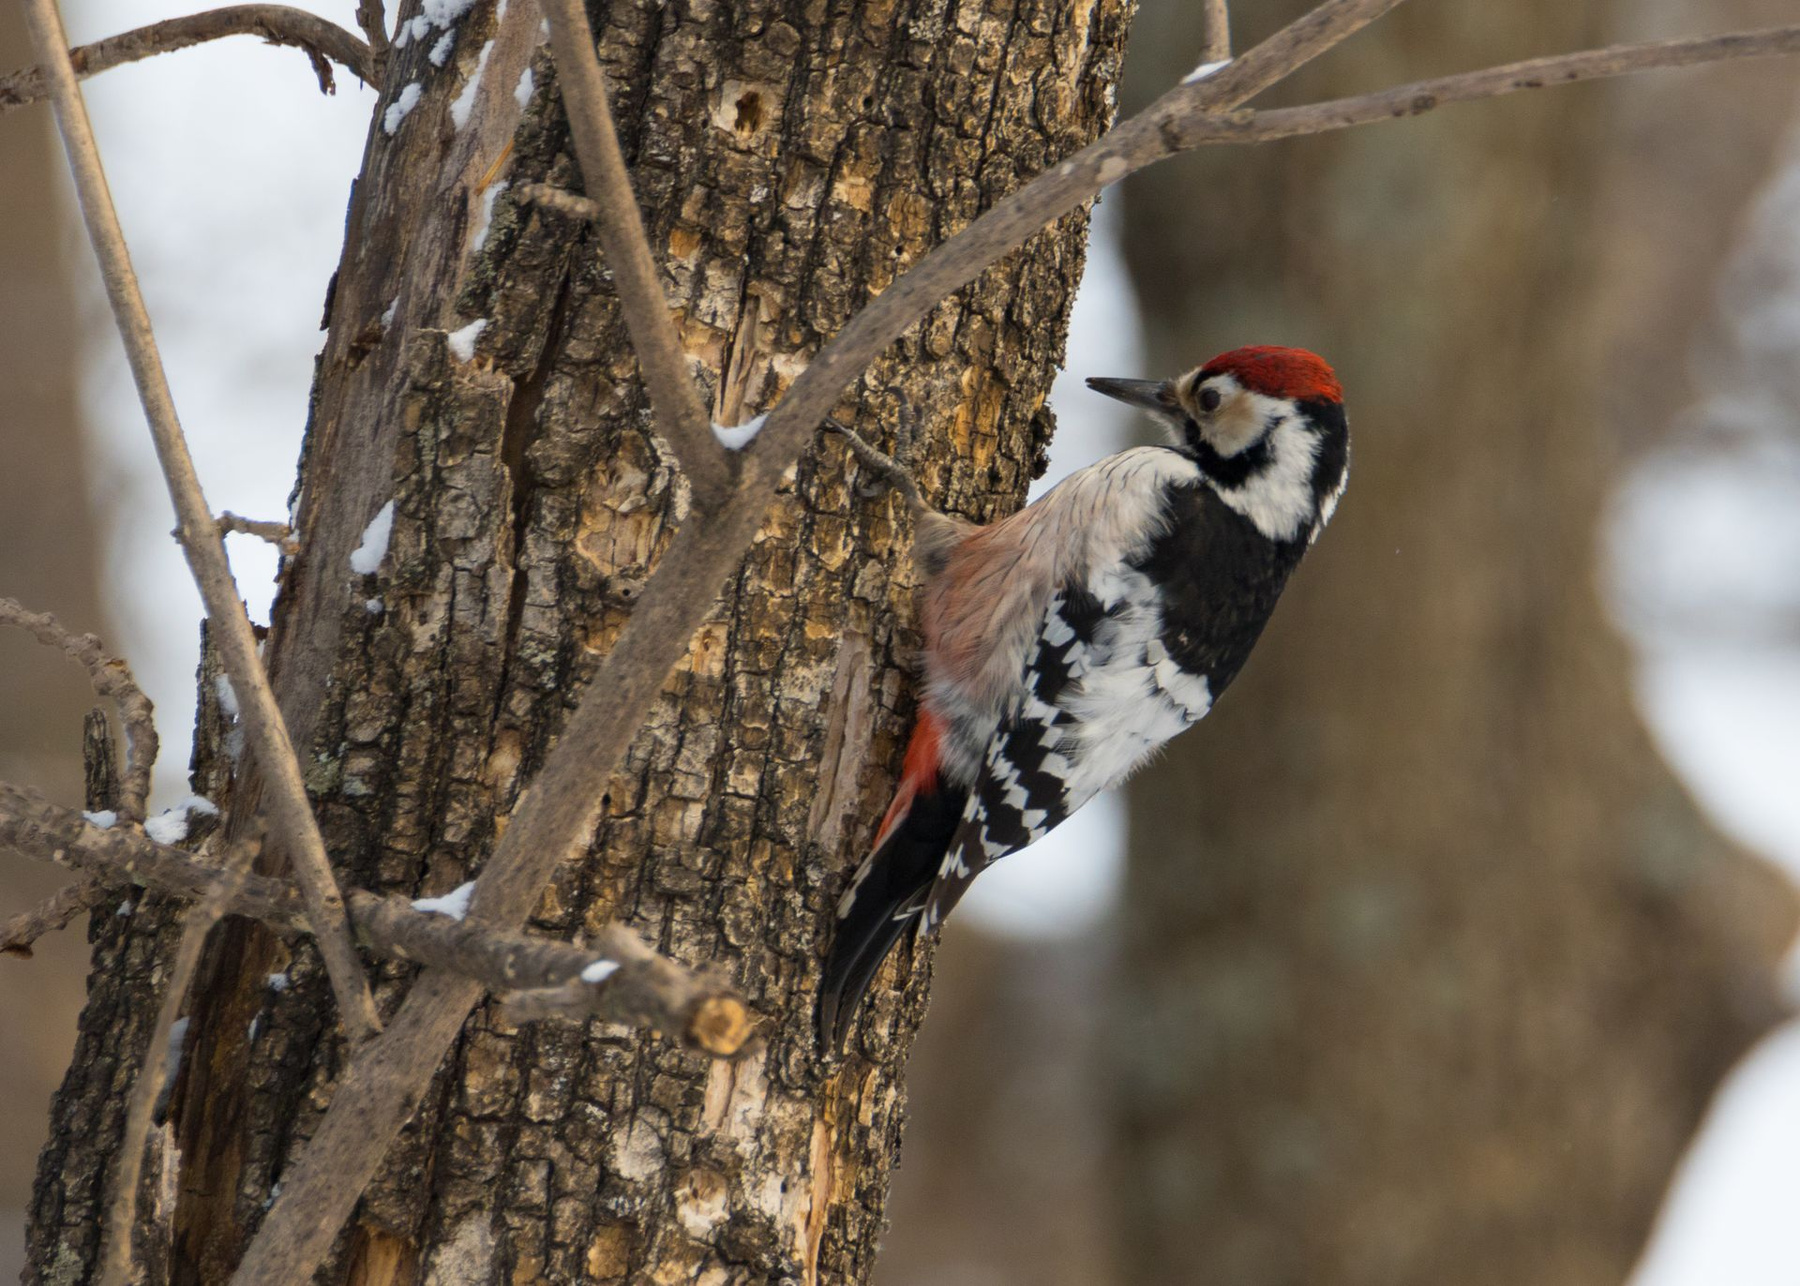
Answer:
[(701, 1013), (564, 203), (18, 932), (100, 769), (296, 828), (374, 28), (1215, 31), (278, 534), (112, 679), (147, 1089), (278, 24), (680, 418), (1537, 73)]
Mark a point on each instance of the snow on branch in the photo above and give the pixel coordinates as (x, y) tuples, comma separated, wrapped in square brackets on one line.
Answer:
[(539, 978), (278, 534), (323, 42)]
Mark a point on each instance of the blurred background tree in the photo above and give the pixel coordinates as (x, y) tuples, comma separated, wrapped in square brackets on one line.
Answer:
[(50, 548), (1428, 965)]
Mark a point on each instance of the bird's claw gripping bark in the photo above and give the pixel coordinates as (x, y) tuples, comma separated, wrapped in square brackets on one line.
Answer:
[(889, 472)]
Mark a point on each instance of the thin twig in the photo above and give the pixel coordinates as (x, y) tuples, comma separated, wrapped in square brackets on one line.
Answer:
[(101, 790), (1493, 82), (1215, 31), (54, 913), (700, 1012), (112, 679), (680, 419), (373, 22), (555, 814), (278, 24), (278, 534), (147, 1089), (564, 203), (296, 829)]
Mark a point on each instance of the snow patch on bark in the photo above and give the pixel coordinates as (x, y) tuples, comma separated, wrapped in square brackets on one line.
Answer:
[(366, 558), (454, 904)]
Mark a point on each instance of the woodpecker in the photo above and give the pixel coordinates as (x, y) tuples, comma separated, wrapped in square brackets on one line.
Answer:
[(1064, 645)]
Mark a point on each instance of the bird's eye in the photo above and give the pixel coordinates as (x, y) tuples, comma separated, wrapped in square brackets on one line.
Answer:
[(1209, 399)]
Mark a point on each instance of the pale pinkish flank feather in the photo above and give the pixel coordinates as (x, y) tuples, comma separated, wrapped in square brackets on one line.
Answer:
[(982, 614)]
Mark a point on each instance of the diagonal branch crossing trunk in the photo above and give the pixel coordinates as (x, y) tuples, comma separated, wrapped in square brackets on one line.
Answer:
[(790, 160)]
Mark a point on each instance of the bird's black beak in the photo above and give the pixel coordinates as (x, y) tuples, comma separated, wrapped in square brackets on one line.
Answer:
[(1156, 396)]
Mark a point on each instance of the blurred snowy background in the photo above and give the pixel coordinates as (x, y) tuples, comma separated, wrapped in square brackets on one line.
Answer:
[(228, 155)]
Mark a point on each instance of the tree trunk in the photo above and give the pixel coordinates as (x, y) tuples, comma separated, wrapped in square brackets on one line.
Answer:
[(1431, 965), (790, 161)]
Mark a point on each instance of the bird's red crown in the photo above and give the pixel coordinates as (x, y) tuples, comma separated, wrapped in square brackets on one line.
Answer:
[(1279, 372)]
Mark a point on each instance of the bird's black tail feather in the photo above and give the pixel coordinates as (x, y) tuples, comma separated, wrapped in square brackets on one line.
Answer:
[(883, 904)]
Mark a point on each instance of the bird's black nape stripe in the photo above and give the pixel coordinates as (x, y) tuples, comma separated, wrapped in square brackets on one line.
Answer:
[(1334, 446), (886, 905)]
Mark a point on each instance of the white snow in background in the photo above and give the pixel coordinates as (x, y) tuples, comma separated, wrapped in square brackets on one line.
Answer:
[(522, 91), (462, 342), (454, 904), (366, 558), (440, 52), (1730, 1218), (465, 101), (735, 437), (484, 216), (1705, 563), (600, 971), (401, 107), (1204, 70), (171, 825), (1706, 542), (105, 818), (1728, 719)]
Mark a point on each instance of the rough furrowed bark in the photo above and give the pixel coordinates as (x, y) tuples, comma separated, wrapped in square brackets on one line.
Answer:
[(790, 162)]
